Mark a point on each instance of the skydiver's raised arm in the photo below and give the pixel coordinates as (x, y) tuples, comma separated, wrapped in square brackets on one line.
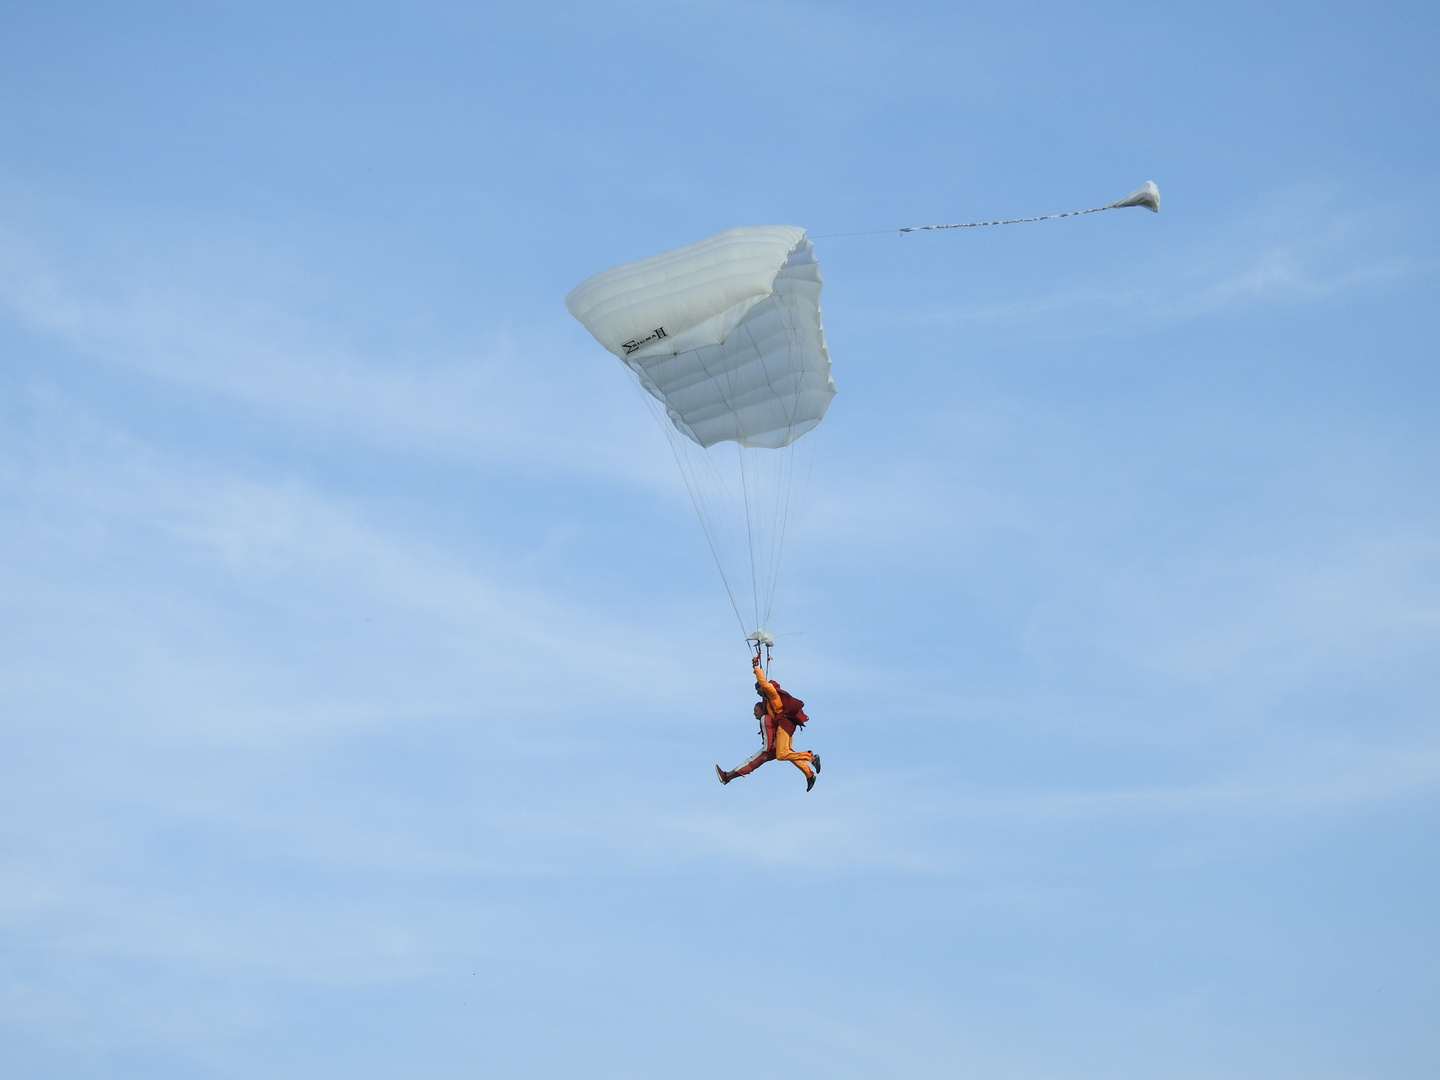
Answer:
[(768, 692)]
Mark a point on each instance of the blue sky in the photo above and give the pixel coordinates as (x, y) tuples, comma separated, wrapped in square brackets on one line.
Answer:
[(362, 666)]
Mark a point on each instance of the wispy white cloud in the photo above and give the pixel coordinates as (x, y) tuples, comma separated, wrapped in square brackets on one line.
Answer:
[(197, 530), (219, 323)]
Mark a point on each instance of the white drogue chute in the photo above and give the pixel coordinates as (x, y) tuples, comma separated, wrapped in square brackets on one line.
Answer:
[(724, 335), (1146, 195)]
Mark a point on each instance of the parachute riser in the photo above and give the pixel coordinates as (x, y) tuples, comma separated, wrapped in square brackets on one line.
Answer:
[(759, 640)]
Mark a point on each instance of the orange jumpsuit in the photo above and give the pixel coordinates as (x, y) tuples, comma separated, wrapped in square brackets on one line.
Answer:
[(778, 730)]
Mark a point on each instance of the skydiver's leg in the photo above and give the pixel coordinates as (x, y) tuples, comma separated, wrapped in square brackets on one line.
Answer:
[(754, 763), (764, 754), (801, 759)]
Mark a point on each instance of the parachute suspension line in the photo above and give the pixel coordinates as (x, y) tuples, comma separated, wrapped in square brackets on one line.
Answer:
[(765, 500), (700, 496), (767, 479), (799, 463), (768, 498), (758, 486), (772, 480), (786, 493), (709, 494), (746, 487), (752, 478)]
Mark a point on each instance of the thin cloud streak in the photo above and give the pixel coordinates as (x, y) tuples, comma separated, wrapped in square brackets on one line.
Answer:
[(527, 404)]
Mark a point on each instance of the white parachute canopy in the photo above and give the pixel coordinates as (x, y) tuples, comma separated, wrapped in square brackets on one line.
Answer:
[(725, 332), (725, 337)]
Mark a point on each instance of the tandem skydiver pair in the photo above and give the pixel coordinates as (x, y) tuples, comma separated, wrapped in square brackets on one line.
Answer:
[(780, 714)]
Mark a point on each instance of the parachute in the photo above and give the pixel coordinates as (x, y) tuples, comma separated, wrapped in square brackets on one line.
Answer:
[(724, 337), (725, 341)]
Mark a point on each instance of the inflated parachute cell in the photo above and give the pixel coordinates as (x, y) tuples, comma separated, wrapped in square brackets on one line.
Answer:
[(724, 332)]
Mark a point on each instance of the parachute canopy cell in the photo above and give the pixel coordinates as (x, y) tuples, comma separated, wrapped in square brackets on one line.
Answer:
[(724, 332)]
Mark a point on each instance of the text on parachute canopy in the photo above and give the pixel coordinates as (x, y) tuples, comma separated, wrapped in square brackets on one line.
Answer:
[(639, 343)]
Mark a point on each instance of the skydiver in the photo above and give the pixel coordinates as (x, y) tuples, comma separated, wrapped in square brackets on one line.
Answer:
[(778, 713)]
